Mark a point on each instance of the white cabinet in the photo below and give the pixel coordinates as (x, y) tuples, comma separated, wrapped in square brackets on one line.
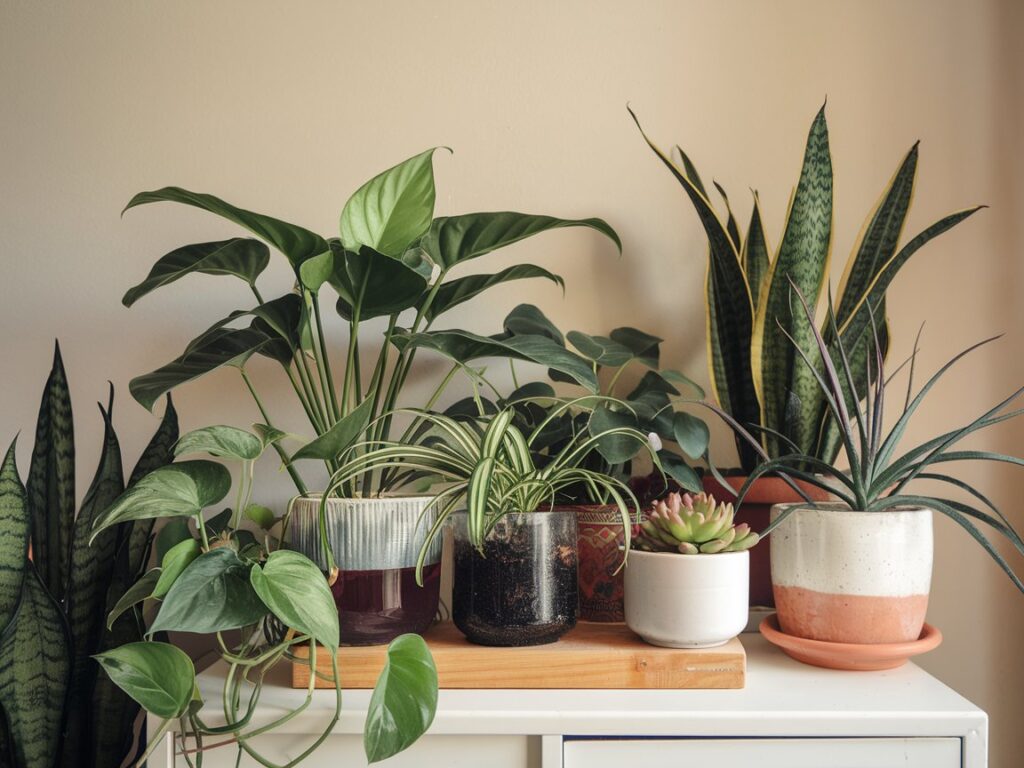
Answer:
[(789, 716)]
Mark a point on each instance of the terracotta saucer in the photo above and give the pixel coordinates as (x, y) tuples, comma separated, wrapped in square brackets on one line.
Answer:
[(850, 656)]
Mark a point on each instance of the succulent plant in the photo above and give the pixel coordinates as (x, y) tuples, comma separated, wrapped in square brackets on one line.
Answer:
[(693, 525)]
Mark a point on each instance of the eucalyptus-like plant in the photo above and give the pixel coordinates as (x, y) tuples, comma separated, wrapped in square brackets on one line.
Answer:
[(392, 257), (215, 576), (755, 372), (486, 465), (879, 477)]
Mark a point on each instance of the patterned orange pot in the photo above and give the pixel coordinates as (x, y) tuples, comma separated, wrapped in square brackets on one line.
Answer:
[(599, 536)]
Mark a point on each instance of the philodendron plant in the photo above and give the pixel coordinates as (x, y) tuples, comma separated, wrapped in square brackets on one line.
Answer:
[(56, 709), (755, 372), (692, 525), (879, 477), (392, 257), (213, 577)]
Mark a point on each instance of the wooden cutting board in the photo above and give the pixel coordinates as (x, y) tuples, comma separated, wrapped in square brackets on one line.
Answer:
[(590, 656)]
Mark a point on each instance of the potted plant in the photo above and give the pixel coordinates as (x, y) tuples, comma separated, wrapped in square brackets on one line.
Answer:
[(515, 551), (255, 599), (392, 257), (755, 375), (686, 582), (852, 577)]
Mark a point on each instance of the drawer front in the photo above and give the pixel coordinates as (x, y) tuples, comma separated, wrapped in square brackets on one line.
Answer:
[(762, 753)]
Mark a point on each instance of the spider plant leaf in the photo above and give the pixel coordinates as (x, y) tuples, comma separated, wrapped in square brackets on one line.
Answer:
[(730, 309), (393, 209), (782, 381), (241, 257), (454, 292), (295, 242), (15, 525), (51, 481), (755, 253), (478, 493)]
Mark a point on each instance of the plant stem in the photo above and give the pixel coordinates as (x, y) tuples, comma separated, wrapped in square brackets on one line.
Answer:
[(323, 361), (285, 458)]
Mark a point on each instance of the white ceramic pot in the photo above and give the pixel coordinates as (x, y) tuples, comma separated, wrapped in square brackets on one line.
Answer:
[(852, 577), (687, 601)]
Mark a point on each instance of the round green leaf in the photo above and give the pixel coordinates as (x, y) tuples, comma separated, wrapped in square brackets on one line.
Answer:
[(295, 591), (158, 676), (262, 516), (404, 700), (691, 433), (221, 441)]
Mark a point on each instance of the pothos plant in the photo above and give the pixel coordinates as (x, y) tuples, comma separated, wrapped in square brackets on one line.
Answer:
[(392, 256), (214, 576)]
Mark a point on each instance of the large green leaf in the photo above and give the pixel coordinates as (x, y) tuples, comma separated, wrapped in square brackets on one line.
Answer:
[(392, 209), (184, 489), (455, 239), (213, 594), (173, 564), (615, 448), (135, 594), (463, 347), (15, 525), (225, 347), (296, 592), (528, 320), (789, 392), (158, 676), (242, 257), (34, 667), (645, 347), (296, 243), (375, 283), (221, 441), (455, 292), (404, 700), (51, 481), (601, 349), (691, 434), (335, 441)]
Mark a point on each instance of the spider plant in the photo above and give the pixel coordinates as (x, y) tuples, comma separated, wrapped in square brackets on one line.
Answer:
[(879, 477), (486, 464)]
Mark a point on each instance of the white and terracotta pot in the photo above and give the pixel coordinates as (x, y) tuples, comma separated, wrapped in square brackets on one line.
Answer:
[(375, 543), (687, 601), (852, 577)]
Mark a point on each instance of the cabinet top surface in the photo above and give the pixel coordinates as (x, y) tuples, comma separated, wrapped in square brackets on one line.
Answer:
[(781, 697)]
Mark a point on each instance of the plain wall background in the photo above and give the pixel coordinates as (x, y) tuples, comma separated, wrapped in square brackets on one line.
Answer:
[(287, 108)]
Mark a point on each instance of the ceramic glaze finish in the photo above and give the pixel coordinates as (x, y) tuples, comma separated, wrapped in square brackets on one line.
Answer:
[(687, 601)]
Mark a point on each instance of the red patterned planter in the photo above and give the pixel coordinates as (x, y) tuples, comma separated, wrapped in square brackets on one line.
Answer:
[(599, 536)]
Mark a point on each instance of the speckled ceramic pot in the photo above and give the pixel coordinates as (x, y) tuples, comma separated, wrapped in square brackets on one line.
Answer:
[(852, 577)]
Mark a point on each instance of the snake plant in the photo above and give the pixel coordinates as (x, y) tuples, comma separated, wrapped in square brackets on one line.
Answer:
[(756, 374), (393, 258), (55, 707), (880, 477)]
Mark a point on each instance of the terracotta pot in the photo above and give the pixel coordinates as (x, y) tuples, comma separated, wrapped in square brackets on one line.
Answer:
[(599, 537), (852, 577), (756, 512)]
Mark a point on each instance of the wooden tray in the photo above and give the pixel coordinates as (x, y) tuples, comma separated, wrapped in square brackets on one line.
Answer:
[(590, 656)]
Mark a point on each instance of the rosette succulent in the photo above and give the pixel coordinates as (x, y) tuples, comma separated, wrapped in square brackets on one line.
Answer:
[(692, 525)]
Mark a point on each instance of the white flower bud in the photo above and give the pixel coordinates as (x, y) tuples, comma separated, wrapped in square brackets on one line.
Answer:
[(654, 441)]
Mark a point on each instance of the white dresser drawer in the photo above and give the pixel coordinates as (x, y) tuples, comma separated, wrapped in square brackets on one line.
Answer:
[(762, 753)]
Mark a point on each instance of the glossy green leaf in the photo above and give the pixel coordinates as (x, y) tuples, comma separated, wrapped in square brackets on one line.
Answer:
[(296, 243), (34, 666), (601, 349), (15, 524), (528, 320), (184, 489), (455, 239), (135, 594), (241, 257), (392, 209), (378, 284), (691, 434), (680, 471), (213, 594), (51, 481), (173, 564), (615, 448), (404, 700), (173, 531), (340, 437), (645, 347), (296, 592), (221, 441), (158, 676), (318, 270), (224, 347), (455, 292)]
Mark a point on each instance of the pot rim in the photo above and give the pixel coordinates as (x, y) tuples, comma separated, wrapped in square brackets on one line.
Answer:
[(318, 495), (700, 556), (838, 508)]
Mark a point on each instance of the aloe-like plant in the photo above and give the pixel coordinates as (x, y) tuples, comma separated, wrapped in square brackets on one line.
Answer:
[(392, 256), (755, 372), (55, 707), (880, 477), (486, 465), (215, 576), (692, 525)]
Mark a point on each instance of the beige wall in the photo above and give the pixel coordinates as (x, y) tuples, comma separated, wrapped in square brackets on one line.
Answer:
[(285, 108)]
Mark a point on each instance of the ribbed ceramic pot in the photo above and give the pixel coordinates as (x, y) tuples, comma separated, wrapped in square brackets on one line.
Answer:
[(687, 601), (600, 535), (852, 577), (375, 543)]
